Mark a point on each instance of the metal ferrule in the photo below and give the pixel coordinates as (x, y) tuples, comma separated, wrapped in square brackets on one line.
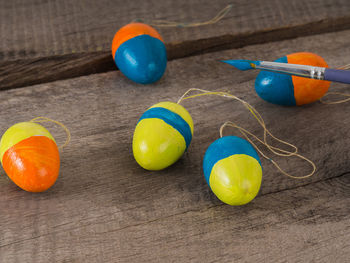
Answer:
[(293, 69)]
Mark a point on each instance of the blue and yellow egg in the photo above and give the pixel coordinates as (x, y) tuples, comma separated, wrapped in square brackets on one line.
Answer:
[(139, 52), (290, 90), (233, 170), (162, 135)]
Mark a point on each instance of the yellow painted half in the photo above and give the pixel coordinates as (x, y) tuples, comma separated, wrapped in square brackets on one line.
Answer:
[(177, 108), (156, 144), (19, 132), (236, 180)]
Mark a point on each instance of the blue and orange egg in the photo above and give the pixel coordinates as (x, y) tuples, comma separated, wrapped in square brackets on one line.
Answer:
[(233, 170), (162, 135), (30, 157), (290, 90), (139, 52)]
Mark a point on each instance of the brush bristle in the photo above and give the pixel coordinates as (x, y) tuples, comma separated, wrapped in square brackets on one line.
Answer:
[(241, 64)]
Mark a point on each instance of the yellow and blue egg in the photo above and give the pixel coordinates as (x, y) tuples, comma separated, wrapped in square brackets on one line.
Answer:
[(139, 52), (162, 135), (233, 170)]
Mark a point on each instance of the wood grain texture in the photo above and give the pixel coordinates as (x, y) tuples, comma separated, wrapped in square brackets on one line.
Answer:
[(43, 28), (305, 224), (26, 72), (104, 207), (50, 40)]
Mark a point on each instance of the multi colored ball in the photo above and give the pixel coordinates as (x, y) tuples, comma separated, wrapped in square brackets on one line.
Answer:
[(29, 156), (162, 135), (233, 170), (290, 90), (139, 52)]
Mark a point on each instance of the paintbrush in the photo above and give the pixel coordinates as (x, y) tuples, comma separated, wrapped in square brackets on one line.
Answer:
[(305, 71)]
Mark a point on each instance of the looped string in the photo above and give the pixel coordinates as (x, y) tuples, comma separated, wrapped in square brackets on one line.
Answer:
[(165, 23), (245, 133), (44, 119), (335, 102), (252, 110), (345, 67), (260, 120)]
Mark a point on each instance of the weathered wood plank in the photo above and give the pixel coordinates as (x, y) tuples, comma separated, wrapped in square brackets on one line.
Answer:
[(26, 72), (305, 224), (44, 28), (106, 207), (57, 40)]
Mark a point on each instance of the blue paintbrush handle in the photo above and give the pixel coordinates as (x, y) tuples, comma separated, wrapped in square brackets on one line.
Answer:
[(337, 75)]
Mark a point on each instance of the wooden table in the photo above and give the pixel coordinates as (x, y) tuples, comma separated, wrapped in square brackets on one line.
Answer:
[(104, 207)]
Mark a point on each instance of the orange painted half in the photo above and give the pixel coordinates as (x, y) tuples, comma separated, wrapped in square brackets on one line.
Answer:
[(132, 30), (308, 90), (33, 164)]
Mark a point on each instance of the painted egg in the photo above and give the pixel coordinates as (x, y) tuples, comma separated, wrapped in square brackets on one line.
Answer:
[(162, 135), (289, 90), (29, 156), (139, 52), (233, 170)]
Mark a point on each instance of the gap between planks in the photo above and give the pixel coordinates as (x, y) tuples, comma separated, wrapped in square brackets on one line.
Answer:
[(27, 72)]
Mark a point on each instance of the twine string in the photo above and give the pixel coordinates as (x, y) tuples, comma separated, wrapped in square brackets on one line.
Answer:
[(252, 110), (337, 101), (246, 134), (345, 67), (44, 119), (165, 23), (275, 150)]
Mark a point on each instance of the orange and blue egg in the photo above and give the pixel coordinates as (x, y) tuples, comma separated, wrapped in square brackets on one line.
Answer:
[(30, 156), (139, 52), (162, 135), (290, 90), (233, 170)]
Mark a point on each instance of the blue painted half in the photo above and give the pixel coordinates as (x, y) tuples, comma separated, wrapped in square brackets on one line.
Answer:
[(242, 64), (142, 59), (276, 88), (171, 118), (223, 148)]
